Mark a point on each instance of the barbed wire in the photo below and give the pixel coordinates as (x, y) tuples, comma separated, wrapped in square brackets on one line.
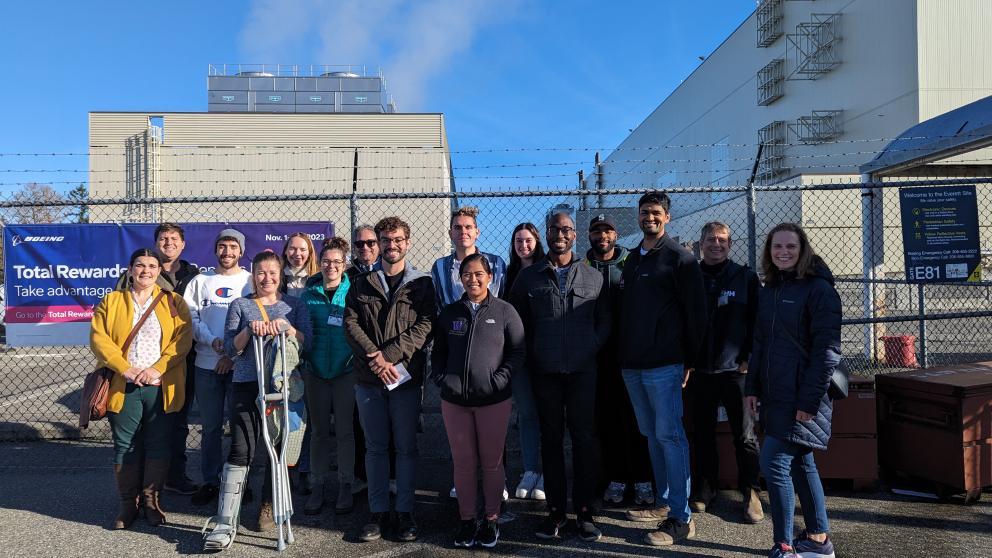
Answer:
[(432, 150)]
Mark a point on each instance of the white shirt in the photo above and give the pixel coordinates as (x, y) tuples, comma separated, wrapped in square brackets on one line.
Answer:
[(208, 295), (146, 347)]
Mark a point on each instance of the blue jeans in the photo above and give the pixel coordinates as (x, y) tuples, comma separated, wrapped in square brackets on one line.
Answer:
[(656, 395), (789, 469), (527, 422), (385, 416), (212, 390)]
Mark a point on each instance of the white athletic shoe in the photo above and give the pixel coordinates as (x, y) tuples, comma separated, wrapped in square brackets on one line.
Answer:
[(527, 482), (538, 492)]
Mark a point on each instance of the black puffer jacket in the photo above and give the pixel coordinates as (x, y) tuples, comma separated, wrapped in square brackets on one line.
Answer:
[(475, 357), (796, 348)]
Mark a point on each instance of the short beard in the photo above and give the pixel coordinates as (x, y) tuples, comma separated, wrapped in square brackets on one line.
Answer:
[(596, 248)]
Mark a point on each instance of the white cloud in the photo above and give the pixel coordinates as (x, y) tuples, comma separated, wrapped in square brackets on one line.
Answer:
[(412, 41)]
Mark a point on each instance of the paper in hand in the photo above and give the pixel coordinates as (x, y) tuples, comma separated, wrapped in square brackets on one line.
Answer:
[(404, 376)]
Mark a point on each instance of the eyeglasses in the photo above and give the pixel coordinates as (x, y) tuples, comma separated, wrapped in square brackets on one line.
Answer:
[(387, 241), (335, 263), (365, 243), (565, 231)]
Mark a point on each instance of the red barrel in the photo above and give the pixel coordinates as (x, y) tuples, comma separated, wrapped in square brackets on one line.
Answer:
[(900, 351)]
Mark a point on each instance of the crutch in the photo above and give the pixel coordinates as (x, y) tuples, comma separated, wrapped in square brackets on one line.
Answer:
[(282, 501)]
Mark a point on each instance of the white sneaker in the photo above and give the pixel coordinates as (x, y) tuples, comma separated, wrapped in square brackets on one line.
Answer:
[(538, 492), (392, 485), (453, 494), (527, 482), (643, 494), (506, 495), (614, 492)]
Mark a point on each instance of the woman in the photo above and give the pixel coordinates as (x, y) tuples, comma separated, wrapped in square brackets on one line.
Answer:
[(478, 347), (525, 249), (246, 317), (796, 347), (299, 263), (149, 381), (330, 382)]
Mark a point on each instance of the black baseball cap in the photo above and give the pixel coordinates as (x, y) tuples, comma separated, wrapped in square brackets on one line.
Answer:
[(602, 219)]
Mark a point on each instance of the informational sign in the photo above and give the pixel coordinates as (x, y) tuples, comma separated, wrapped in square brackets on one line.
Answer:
[(940, 233), (56, 274)]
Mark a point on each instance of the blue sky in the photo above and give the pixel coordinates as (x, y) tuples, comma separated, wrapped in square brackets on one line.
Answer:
[(509, 75)]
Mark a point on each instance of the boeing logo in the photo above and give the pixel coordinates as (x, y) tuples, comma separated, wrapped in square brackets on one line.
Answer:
[(17, 239), (224, 292)]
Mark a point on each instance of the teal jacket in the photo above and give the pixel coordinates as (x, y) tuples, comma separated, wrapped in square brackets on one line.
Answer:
[(329, 355)]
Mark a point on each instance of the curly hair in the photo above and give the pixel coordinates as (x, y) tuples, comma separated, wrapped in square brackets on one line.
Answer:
[(389, 224), (334, 243)]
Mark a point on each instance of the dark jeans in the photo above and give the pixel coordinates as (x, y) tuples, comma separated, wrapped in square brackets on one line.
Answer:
[(567, 400), (141, 429), (246, 425), (180, 423), (389, 416), (212, 400), (706, 393), (623, 447)]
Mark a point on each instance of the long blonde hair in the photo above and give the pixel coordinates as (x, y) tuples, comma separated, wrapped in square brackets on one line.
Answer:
[(311, 263)]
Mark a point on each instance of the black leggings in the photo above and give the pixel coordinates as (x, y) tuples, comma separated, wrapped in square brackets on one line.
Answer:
[(247, 424)]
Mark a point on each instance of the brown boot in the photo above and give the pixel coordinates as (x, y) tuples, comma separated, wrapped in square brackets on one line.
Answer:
[(156, 472), (265, 520), (128, 485), (752, 506)]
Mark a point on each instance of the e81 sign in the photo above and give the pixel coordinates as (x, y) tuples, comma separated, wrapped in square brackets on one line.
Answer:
[(940, 233)]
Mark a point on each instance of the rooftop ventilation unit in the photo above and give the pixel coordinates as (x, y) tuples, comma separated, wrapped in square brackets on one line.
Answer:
[(340, 74), (815, 45), (821, 126), (254, 74), (768, 17)]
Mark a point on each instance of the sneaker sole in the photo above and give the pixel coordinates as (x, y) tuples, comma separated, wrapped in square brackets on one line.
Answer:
[(521, 494), (810, 554), (370, 539), (488, 545), (463, 544)]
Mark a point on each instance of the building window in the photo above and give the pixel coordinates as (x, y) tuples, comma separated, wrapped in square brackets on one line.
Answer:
[(819, 127), (771, 82), (768, 17), (773, 141), (815, 45)]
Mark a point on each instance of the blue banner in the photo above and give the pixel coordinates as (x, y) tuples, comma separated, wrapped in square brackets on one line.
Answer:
[(56, 274)]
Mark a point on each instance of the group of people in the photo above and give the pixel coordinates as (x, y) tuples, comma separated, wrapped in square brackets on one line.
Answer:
[(602, 346)]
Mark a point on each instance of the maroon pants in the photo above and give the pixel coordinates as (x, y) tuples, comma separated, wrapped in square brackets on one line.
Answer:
[(477, 436)]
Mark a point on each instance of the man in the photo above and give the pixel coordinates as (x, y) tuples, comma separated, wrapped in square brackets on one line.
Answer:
[(170, 241), (663, 309), (365, 258), (624, 449), (463, 229), (566, 321), (387, 323), (464, 232), (365, 255), (208, 296), (732, 302)]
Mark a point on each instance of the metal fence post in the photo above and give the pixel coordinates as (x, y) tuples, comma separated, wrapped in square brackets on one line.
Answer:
[(922, 298), (752, 219), (872, 256), (353, 202)]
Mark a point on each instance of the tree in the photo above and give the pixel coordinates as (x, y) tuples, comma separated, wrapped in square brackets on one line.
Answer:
[(42, 209), (79, 213)]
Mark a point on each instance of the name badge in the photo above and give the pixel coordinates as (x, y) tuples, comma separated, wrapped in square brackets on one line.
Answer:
[(723, 300), (335, 321)]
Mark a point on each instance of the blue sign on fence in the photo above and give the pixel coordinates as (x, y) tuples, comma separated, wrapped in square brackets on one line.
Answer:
[(940, 234), (56, 274)]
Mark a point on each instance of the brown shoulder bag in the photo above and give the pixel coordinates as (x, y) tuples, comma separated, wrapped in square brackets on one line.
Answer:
[(96, 386)]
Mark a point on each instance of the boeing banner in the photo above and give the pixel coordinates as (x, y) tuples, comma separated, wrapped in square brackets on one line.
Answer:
[(56, 274)]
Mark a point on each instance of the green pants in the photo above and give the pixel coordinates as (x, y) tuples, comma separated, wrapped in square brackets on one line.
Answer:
[(141, 429)]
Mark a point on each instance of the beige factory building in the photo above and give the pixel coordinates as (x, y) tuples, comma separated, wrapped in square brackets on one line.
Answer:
[(148, 155), (825, 86)]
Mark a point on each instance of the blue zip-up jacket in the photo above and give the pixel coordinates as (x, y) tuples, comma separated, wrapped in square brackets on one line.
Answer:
[(796, 348), (329, 354), (447, 292)]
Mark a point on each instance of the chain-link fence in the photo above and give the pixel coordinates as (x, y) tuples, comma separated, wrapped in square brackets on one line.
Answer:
[(40, 386)]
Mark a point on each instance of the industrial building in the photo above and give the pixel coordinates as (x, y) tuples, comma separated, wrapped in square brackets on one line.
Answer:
[(823, 86), (262, 152)]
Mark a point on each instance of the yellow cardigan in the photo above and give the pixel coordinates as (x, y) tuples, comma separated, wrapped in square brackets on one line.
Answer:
[(111, 325)]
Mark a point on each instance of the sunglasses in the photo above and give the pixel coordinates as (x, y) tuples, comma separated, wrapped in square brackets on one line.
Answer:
[(365, 243)]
